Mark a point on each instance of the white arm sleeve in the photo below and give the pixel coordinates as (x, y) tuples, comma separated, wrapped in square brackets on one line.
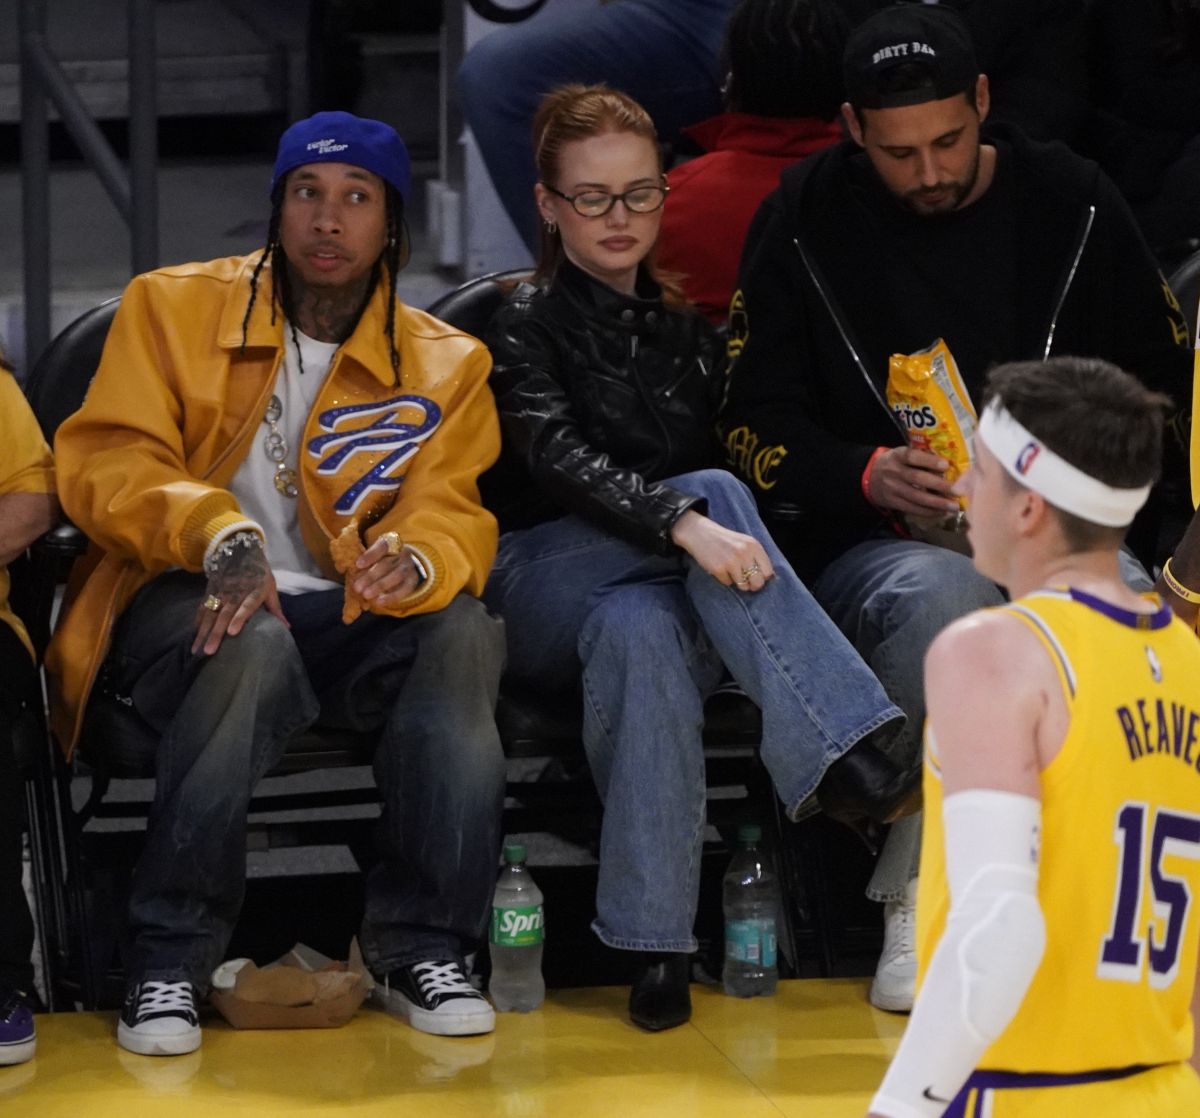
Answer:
[(994, 939)]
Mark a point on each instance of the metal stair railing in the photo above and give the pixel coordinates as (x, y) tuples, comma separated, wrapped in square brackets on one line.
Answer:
[(134, 192)]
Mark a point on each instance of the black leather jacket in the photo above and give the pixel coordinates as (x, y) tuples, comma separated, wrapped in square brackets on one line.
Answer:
[(601, 395)]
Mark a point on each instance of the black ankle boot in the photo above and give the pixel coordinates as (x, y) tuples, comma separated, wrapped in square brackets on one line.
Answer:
[(660, 998), (865, 783)]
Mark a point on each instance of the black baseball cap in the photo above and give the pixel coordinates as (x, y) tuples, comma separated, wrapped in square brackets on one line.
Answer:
[(931, 36)]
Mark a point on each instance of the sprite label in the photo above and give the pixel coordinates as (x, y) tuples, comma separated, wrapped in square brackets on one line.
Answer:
[(517, 927)]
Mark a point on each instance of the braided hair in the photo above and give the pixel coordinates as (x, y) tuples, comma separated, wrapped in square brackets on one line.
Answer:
[(783, 58), (391, 260)]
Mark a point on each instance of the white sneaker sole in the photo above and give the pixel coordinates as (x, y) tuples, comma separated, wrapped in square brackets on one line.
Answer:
[(17, 1053), (480, 1019), (151, 1044), (893, 1001)]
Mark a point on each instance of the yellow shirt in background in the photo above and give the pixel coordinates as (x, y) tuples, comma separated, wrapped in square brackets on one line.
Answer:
[(26, 466)]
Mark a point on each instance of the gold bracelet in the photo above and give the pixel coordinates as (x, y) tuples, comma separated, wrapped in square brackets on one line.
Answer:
[(1177, 588)]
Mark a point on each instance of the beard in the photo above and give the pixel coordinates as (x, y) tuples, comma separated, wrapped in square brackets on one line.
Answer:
[(945, 197)]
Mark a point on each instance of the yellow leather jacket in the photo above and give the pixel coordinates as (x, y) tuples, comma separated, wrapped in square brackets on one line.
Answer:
[(25, 467), (175, 406)]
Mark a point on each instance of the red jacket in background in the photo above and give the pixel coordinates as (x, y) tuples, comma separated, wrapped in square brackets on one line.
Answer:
[(714, 197)]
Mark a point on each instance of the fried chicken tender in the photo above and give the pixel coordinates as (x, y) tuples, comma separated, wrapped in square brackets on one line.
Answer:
[(345, 549)]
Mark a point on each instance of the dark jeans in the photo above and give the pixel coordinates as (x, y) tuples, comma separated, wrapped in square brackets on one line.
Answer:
[(16, 924), (427, 684)]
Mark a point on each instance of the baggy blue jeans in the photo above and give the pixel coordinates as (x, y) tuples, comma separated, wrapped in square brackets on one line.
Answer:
[(426, 683), (650, 636), (891, 597), (663, 53)]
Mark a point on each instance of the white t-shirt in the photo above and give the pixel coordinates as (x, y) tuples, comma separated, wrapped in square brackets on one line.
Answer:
[(295, 570)]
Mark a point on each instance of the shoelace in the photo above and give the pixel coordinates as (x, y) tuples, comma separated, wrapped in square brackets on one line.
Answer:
[(11, 1003), (904, 943), (441, 978), (165, 998)]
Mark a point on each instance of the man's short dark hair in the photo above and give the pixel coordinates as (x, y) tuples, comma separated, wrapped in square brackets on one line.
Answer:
[(1097, 417), (783, 58)]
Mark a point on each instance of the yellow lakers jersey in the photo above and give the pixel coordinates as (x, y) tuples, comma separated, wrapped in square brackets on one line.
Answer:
[(1119, 882)]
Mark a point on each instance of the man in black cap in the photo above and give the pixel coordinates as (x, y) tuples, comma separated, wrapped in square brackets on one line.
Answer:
[(277, 463), (923, 226)]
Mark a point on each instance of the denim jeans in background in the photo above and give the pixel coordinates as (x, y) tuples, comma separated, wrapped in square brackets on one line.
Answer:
[(427, 684), (891, 597), (650, 636), (663, 53)]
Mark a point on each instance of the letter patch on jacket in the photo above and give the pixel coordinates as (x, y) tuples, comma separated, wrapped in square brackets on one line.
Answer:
[(383, 433)]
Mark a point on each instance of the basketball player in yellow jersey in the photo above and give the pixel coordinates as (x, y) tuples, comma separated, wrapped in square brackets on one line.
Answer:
[(1058, 918)]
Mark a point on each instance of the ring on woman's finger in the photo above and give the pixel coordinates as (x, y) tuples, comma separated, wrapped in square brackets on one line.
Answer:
[(212, 602), (753, 569), (742, 582)]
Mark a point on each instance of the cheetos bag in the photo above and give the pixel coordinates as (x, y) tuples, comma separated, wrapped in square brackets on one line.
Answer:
[(926, 394)]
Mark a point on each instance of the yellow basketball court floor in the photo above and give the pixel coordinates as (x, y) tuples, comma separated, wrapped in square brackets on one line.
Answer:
[(815, 1050)]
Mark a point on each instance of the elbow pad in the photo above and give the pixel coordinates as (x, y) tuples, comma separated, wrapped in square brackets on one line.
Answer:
[(999, 949), (993, 944)]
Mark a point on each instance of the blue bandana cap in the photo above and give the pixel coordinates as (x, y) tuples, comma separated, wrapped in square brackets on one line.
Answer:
[(338, 137)]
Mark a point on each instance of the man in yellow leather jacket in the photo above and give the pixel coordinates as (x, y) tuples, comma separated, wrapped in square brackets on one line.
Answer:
[(247, 412)]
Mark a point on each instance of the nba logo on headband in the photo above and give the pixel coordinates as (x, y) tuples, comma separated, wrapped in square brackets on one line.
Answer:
[(1026, 457)]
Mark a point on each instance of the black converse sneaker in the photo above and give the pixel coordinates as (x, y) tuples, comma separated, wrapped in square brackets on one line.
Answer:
[(159, 1019), (436, 997)]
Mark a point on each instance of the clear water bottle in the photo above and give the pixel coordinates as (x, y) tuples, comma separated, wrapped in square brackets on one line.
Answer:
[(518, 929), (751, 896)]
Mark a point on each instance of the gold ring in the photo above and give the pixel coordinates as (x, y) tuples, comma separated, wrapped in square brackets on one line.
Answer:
[(212, 602), (753, 569), (395, 545), (741, 582)]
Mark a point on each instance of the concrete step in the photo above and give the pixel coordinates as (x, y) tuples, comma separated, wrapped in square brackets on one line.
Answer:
[(223, 57), (208, 209), (241, 83), (210, 60)]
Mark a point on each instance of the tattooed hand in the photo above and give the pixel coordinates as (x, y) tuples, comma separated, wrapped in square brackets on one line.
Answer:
[(241, 581)]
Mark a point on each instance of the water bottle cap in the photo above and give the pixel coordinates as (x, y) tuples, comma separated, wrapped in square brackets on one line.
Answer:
[(749, 832), (514, 853)]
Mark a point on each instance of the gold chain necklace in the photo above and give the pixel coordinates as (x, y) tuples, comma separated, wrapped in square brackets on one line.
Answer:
[(276, 449)]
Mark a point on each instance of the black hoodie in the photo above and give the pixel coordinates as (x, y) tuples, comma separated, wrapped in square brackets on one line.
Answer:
[(826, 296)]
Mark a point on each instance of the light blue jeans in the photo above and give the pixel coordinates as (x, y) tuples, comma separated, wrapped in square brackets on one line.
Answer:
[(891, 597), (650, 636), (663, 53)]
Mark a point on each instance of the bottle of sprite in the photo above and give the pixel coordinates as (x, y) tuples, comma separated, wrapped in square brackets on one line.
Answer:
[(517, 933)]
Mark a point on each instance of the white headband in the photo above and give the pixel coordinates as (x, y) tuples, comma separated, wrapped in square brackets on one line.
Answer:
[(1031, 462)]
